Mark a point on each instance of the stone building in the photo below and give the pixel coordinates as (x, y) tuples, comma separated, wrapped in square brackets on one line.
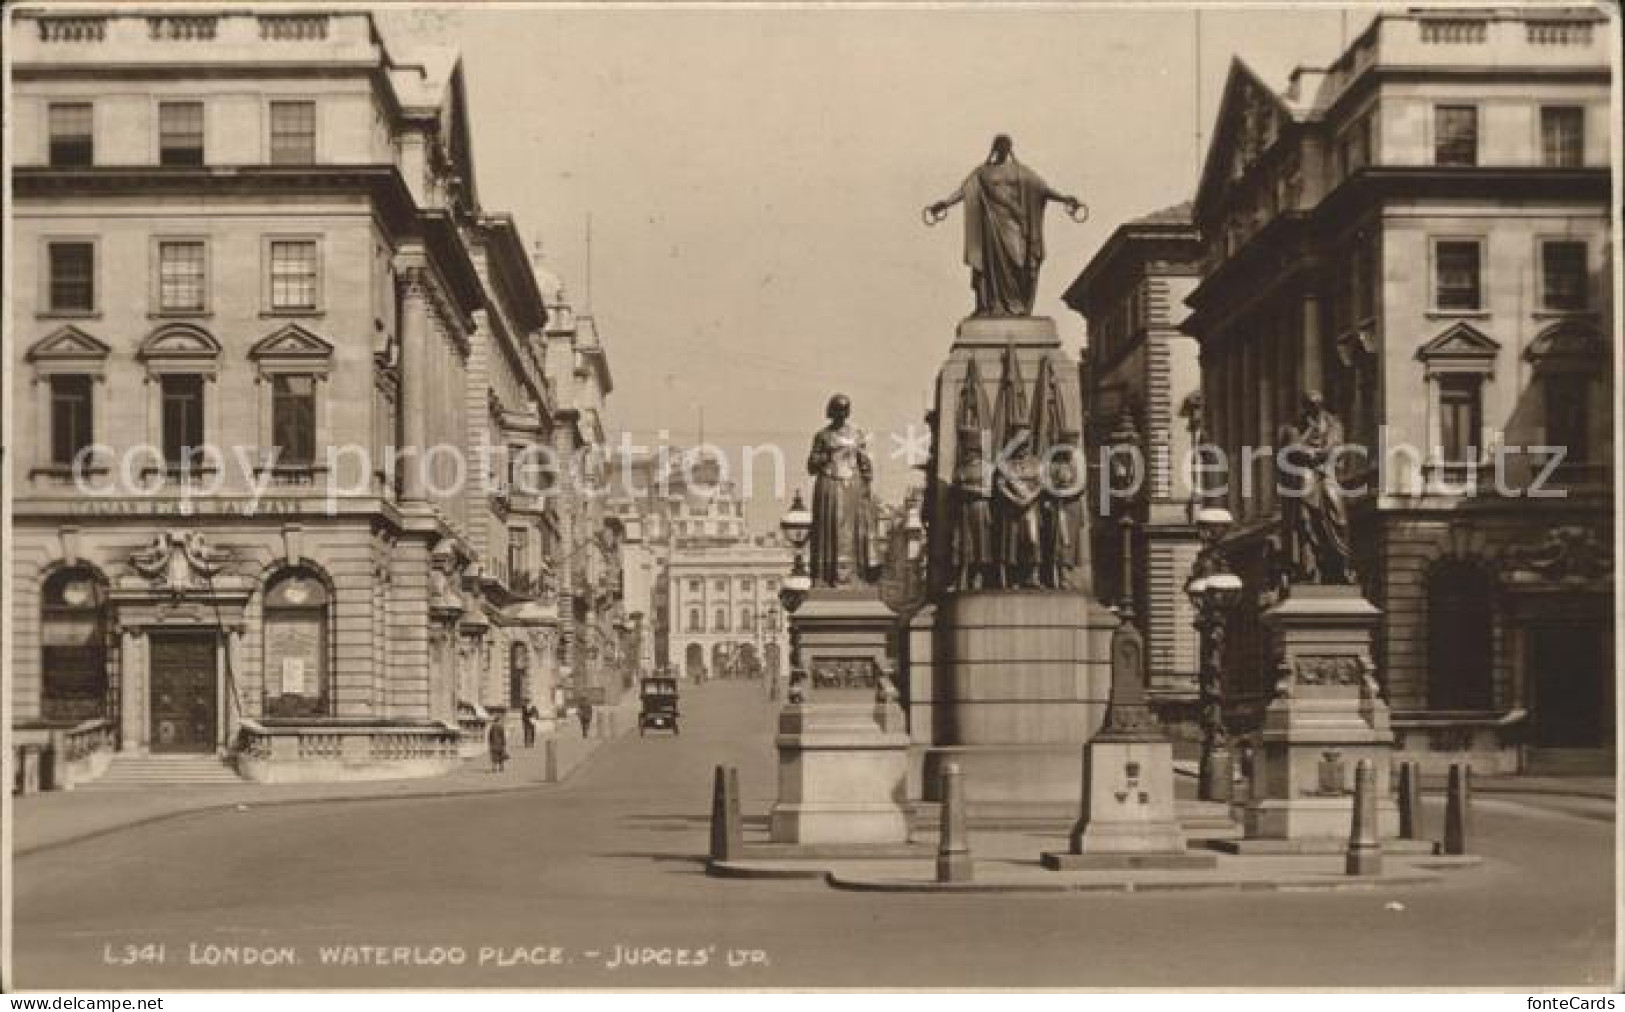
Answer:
[(1141, 371), (720, 591), (1421, 231), (587, 572), (257, 300)]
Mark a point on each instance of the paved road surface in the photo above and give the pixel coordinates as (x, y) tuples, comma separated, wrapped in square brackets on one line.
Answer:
[(608, 863)]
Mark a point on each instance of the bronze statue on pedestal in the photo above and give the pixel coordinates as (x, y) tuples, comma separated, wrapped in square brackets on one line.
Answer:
[(1004, 229), (845, 534)]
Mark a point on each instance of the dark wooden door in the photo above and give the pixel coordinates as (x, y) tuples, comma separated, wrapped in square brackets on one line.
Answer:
[(185, 712), (1570, 673)]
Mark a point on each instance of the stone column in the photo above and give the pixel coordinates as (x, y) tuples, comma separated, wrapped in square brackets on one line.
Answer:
[(133, 684), (239, 701), (1310, 363), (414, 406)]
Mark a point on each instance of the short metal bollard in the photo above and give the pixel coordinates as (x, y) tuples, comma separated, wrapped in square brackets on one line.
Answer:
[(1410, 800), (550, 760), (1365, 852), (727, 835), (1458, 809), (954, 862)]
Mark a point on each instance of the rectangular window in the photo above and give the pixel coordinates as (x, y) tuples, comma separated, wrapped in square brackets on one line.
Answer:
[(70, 417), (518, 554), (1460, 418), (1458, 286), (293, 133), (1568, 415), (1563, 276), (180, 133), (73, 277), (293, 419), (1562, 135), (1455, 135), (73, 141), (180, 277), (293, 274), (182, 419)]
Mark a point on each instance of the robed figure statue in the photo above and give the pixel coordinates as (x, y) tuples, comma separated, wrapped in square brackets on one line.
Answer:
[(1019, 483), (845, 534), (1312, 500), (1004, 229)]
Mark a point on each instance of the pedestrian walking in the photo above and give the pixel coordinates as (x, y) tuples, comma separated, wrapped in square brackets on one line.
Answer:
[(497, 740), (528, 718), (584, 714)]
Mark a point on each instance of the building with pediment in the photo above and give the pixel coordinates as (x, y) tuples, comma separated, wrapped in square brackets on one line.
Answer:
[(262, 329), (1421, 232)]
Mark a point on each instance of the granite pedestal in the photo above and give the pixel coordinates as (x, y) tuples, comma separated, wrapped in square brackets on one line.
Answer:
[(1327, 715)]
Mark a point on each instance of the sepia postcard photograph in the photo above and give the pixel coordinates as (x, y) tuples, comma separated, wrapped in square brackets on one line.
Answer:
[(738, 497)]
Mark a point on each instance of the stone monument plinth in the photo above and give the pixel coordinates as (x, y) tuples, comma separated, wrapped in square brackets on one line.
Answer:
[(1128, 818), (843, 748), (1008, 663), (1327, 715)]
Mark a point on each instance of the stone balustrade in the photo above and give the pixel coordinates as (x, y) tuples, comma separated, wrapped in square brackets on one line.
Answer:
[(293, 27), (311, 752), (56, 756), (72, 29)]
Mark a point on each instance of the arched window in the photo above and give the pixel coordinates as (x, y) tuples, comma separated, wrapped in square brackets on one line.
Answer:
[(1461, 629), (73, 651), (297, 673)]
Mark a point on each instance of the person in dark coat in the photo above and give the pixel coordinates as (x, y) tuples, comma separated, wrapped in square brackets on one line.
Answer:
[(584, 714), (497, 739), (528, 718)]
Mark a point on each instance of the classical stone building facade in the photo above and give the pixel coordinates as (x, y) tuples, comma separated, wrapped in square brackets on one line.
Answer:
[(1421, 231), (714, 596), (587, 573), (1141, 377), (259, 304)]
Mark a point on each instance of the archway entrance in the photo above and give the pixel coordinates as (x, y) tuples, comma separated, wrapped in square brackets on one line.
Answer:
[(694, 661)]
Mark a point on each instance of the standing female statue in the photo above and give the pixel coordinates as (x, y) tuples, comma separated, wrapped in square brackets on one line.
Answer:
[(844, 536), (1004, 229)]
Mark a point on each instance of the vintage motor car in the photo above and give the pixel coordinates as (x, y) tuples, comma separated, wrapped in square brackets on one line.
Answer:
[(659, 699)]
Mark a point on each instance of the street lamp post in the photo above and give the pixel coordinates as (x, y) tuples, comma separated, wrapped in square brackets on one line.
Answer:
[(797, 526), (1214, 591)]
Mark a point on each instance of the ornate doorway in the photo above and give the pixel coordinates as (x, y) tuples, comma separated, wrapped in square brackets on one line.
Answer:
[(185, 698)]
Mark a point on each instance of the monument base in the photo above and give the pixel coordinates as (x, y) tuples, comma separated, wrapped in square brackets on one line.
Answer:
[(1326, 716), (1015, 685), (1128, 817), (842, 775), (843, 752)]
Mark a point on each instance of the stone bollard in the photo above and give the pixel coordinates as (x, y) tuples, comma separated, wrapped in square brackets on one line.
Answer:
[(1364, 853), (727, 836), (954, 862), (550, 760), (1458, 809), (1410, 800), (736, 820)]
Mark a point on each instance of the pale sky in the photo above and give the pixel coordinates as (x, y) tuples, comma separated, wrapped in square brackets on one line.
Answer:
[(755, 178)]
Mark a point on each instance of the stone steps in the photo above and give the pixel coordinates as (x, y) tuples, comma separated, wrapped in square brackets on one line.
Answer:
[(160, 770)]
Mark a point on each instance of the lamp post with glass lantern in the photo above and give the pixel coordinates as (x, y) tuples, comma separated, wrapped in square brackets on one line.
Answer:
[(1214, 592), (793, 590)]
